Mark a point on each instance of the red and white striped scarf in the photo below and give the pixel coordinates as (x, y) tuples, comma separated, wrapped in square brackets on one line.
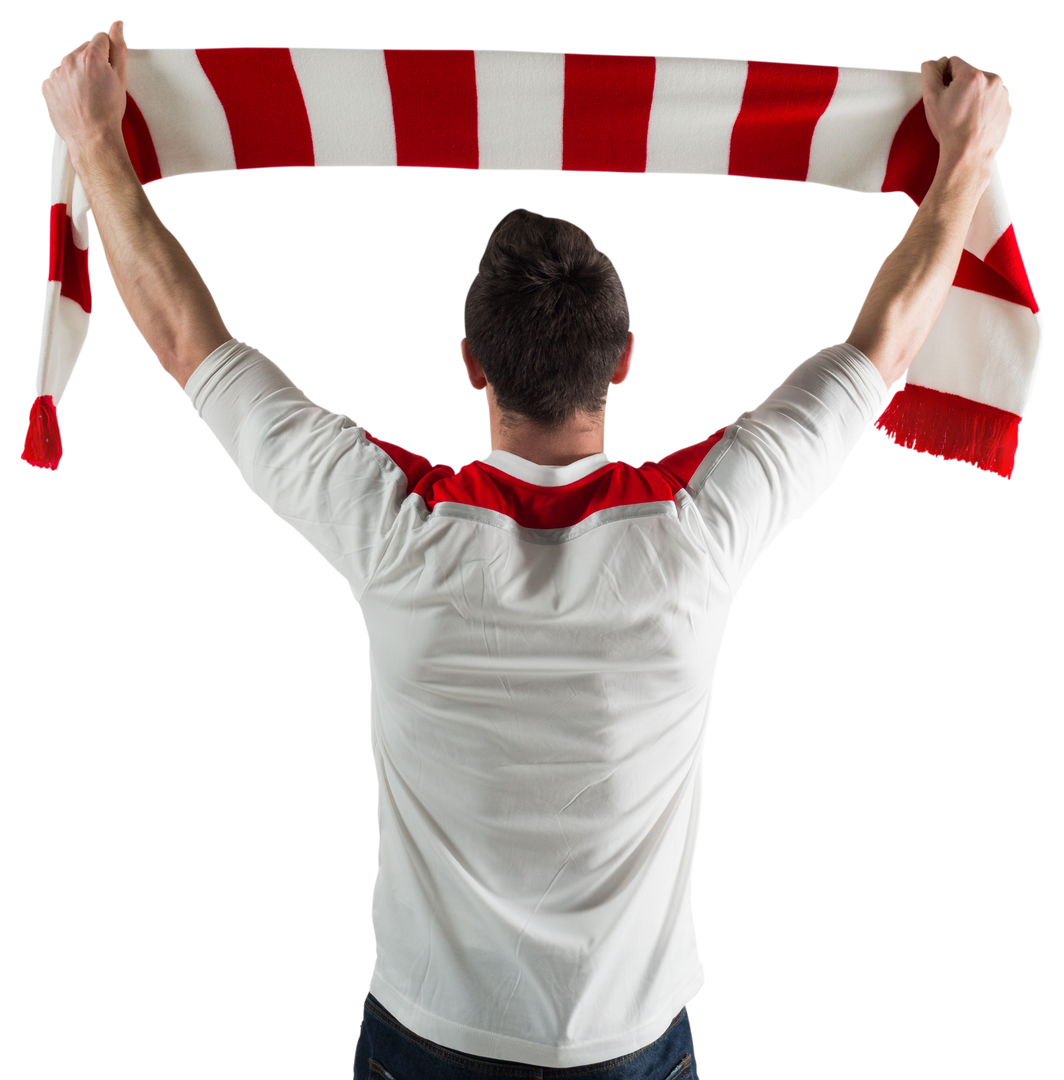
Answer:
[(193, 111)]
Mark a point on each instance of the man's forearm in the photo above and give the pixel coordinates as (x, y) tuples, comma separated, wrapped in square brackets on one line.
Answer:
[(161, 288), (911, 286)]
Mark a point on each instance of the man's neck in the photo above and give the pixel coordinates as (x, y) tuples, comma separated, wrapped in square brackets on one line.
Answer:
[(579, 438)]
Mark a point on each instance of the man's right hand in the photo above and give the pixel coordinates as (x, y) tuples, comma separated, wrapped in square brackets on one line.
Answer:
[(967, 110)]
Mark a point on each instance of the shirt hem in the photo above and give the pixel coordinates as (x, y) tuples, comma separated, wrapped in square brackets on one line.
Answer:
[(470, 1040)]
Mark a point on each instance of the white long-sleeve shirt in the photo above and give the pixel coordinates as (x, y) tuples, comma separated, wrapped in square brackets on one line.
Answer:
[(543, 641)]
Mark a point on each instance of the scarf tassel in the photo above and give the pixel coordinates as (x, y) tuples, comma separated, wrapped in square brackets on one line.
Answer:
[(44, 448), (953, 427)]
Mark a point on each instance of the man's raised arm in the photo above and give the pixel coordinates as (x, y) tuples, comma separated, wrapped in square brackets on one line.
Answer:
[(162, 290), (968, 111)]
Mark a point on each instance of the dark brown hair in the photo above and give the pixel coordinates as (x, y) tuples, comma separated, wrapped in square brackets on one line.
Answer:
[(546, 318)]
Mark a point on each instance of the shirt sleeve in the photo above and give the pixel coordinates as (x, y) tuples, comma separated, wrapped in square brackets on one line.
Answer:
[(314, 468), (772, 463)]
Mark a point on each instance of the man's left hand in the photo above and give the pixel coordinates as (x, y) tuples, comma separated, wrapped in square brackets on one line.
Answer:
[(86, 94)]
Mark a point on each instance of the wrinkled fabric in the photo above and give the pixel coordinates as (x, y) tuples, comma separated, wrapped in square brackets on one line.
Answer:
[(539, 695)]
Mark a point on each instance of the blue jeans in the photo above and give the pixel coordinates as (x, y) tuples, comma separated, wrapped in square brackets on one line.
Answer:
[(388, 1051)]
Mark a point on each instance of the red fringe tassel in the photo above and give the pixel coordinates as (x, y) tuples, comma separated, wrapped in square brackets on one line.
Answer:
[(952, 429), (43, 446)]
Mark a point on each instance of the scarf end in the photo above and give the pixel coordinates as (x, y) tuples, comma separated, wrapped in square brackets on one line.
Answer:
[(44, 448), (953, 427)]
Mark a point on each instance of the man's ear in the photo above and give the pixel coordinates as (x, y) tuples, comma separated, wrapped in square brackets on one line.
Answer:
[(473, 368), (624, 365)]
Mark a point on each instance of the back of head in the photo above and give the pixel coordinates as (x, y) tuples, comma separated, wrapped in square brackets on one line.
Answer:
[(546, 318)]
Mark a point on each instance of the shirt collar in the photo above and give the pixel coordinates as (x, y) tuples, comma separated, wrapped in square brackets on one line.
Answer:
[(544, 475)]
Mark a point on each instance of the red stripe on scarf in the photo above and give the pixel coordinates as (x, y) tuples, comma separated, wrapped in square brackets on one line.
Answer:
[(66, 261), (913, 156), (781, 105), (139, 143), (974, 274), (434, 107), (1004, 257), (56, 241), (263, 103), (607, 112)]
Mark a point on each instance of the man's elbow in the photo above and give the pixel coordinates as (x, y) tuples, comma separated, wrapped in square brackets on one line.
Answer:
[(890, 349), (180, 357)]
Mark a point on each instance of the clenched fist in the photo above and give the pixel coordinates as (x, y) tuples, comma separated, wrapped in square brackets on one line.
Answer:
[(86, 94), (967, 109)]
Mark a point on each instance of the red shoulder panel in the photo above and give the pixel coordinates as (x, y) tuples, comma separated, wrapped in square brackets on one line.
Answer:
[(535, 506)]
